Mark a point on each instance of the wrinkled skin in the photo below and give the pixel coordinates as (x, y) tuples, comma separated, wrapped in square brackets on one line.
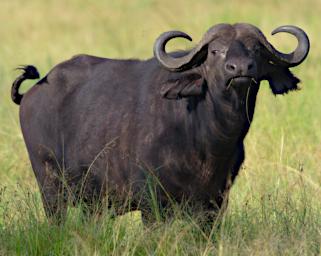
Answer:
[(95, 127)]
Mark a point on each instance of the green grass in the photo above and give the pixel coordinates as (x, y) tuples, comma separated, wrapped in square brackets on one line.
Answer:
[(275, 204)]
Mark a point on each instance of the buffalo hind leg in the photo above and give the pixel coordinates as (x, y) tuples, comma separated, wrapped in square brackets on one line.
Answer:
[(54, 194)]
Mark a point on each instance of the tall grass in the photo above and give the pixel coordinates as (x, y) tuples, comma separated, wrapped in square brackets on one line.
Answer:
[(275, 204)]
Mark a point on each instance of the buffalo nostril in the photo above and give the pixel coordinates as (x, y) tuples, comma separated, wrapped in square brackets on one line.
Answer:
[(231, 67), (250, 66)]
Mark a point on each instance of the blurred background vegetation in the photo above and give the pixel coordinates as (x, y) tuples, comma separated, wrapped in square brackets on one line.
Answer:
[(275, 205)]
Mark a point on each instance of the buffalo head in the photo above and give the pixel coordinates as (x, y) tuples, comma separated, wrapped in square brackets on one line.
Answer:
[(231, 57)]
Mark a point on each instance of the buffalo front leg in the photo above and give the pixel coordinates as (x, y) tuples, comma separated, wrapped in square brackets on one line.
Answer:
[(216, 208)]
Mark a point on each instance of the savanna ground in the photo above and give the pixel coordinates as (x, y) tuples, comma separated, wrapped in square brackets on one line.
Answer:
[(275, 204)]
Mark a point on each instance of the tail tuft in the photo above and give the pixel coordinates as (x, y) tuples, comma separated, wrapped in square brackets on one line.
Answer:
[(30, 72)]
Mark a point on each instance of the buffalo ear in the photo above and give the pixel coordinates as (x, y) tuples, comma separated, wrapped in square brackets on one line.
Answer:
[(183, 85), (281, 79)]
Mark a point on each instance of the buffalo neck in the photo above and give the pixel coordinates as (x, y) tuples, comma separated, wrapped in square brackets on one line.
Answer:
[(220, 119)]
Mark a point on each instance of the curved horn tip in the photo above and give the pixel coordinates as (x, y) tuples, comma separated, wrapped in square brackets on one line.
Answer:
[(292, 30), (287, 28), (174, 34), (186, 36), (300, 53), (166, 60)]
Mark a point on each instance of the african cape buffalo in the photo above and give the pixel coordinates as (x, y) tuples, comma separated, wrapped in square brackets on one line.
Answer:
[(97, 127)]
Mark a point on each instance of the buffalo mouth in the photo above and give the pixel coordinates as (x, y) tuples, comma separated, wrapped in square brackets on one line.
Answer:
[(241, 80)]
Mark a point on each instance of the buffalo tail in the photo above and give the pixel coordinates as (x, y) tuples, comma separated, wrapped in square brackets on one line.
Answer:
[(29, 72)]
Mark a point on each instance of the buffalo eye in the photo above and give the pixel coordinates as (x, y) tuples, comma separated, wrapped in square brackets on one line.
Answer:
[(214, 52)]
